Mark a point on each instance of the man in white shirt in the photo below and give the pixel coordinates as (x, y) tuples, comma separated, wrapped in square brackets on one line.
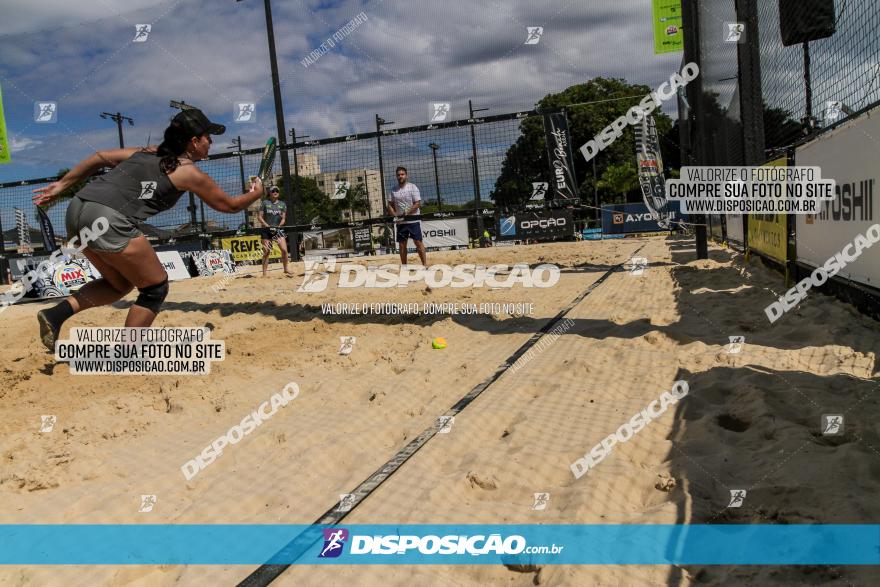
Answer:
[(404, 204)]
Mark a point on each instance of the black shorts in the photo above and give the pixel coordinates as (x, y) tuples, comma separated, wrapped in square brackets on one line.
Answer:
[(271, 233), (409, 230)]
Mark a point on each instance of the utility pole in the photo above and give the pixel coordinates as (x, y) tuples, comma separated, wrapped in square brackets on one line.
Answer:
[(279, 117), (380, 122), (118, 118), (476, 168), (236, 144), (434, 147)]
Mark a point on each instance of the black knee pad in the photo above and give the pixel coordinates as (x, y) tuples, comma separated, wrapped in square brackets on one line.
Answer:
[(152, 296)]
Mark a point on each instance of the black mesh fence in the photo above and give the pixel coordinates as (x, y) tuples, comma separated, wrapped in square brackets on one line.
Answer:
[(720, 96), (738, 43), (439, 158), (844, 69)]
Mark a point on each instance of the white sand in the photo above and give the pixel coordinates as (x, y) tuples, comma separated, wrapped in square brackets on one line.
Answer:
[(751, 420)]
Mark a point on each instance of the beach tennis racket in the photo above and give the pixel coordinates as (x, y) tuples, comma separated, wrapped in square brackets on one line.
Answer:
[(268, 159)]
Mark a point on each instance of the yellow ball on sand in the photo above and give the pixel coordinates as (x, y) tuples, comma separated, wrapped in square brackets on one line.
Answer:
[(439, 343)]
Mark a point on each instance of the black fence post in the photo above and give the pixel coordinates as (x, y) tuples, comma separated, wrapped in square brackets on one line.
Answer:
[(750, 94), (691, 24)]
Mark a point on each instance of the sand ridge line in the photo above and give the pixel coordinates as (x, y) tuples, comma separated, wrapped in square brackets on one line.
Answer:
[(266, 573)]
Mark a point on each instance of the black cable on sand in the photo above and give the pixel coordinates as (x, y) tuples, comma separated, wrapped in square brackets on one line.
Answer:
[(269, 571)]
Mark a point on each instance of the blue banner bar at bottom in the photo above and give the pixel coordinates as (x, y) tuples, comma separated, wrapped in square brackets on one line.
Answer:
[(604, 544)]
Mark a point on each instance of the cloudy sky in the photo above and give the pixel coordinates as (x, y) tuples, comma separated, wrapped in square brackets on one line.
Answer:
[(214, 53)]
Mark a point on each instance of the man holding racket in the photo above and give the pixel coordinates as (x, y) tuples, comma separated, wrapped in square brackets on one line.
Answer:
[(404, 206), (272, 214), (142, 183)]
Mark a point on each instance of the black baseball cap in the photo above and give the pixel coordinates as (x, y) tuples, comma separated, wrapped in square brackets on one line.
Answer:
[(195, 122)]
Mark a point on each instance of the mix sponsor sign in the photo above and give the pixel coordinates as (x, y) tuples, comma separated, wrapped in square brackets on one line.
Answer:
[(536, 225), (248, 248), (848, 155), (63, 278), (633, 218), (768, 232), (174, 265), (207, 263)]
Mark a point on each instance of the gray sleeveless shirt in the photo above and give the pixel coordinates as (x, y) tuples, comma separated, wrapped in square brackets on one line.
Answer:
[(137, 188)]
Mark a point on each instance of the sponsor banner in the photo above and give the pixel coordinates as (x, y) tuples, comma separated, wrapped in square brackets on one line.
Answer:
[(768, 232), (668, 37), (848, 154), (207, 263), (5, 156), (331, 240), (248, 248), (46, 231), (445, 233), (633, 218), (65, 277), (562, 181), (174, 265), (469, 544), (650, 161), (535, 225), (595, 234), (24, 232), (735, 228), (361, 238)]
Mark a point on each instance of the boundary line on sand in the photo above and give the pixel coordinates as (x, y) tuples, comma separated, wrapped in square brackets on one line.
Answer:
[(269, 571)]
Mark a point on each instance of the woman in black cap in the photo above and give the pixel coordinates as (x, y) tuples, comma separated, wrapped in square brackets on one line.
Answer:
[(142, 183)]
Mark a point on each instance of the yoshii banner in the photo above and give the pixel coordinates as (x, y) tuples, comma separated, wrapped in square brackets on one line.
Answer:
[(562, 179), (445, 233), (848, 154), (174, 266)]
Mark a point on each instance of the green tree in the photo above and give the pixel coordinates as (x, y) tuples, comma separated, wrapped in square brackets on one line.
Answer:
[(314, 203), (355, 201), (608, 98), (620, 181)]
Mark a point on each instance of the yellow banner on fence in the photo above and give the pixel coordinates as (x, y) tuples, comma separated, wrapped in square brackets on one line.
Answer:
[(248, 248), (4, 141), (768, 233)]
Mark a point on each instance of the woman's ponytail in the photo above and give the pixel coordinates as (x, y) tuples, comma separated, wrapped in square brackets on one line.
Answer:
[(173, 145)]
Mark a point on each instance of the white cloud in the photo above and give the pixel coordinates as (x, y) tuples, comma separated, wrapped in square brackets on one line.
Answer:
[(19, 143), (406, 54)]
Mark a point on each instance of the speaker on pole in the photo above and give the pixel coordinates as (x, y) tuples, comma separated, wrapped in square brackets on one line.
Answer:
[(802, 21)]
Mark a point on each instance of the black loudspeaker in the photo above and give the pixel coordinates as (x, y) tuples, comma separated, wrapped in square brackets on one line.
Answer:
[(801, 21)]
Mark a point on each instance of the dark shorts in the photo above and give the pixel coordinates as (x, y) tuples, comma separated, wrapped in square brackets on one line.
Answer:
[(411, 230), (271, 233), (82, 214)]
